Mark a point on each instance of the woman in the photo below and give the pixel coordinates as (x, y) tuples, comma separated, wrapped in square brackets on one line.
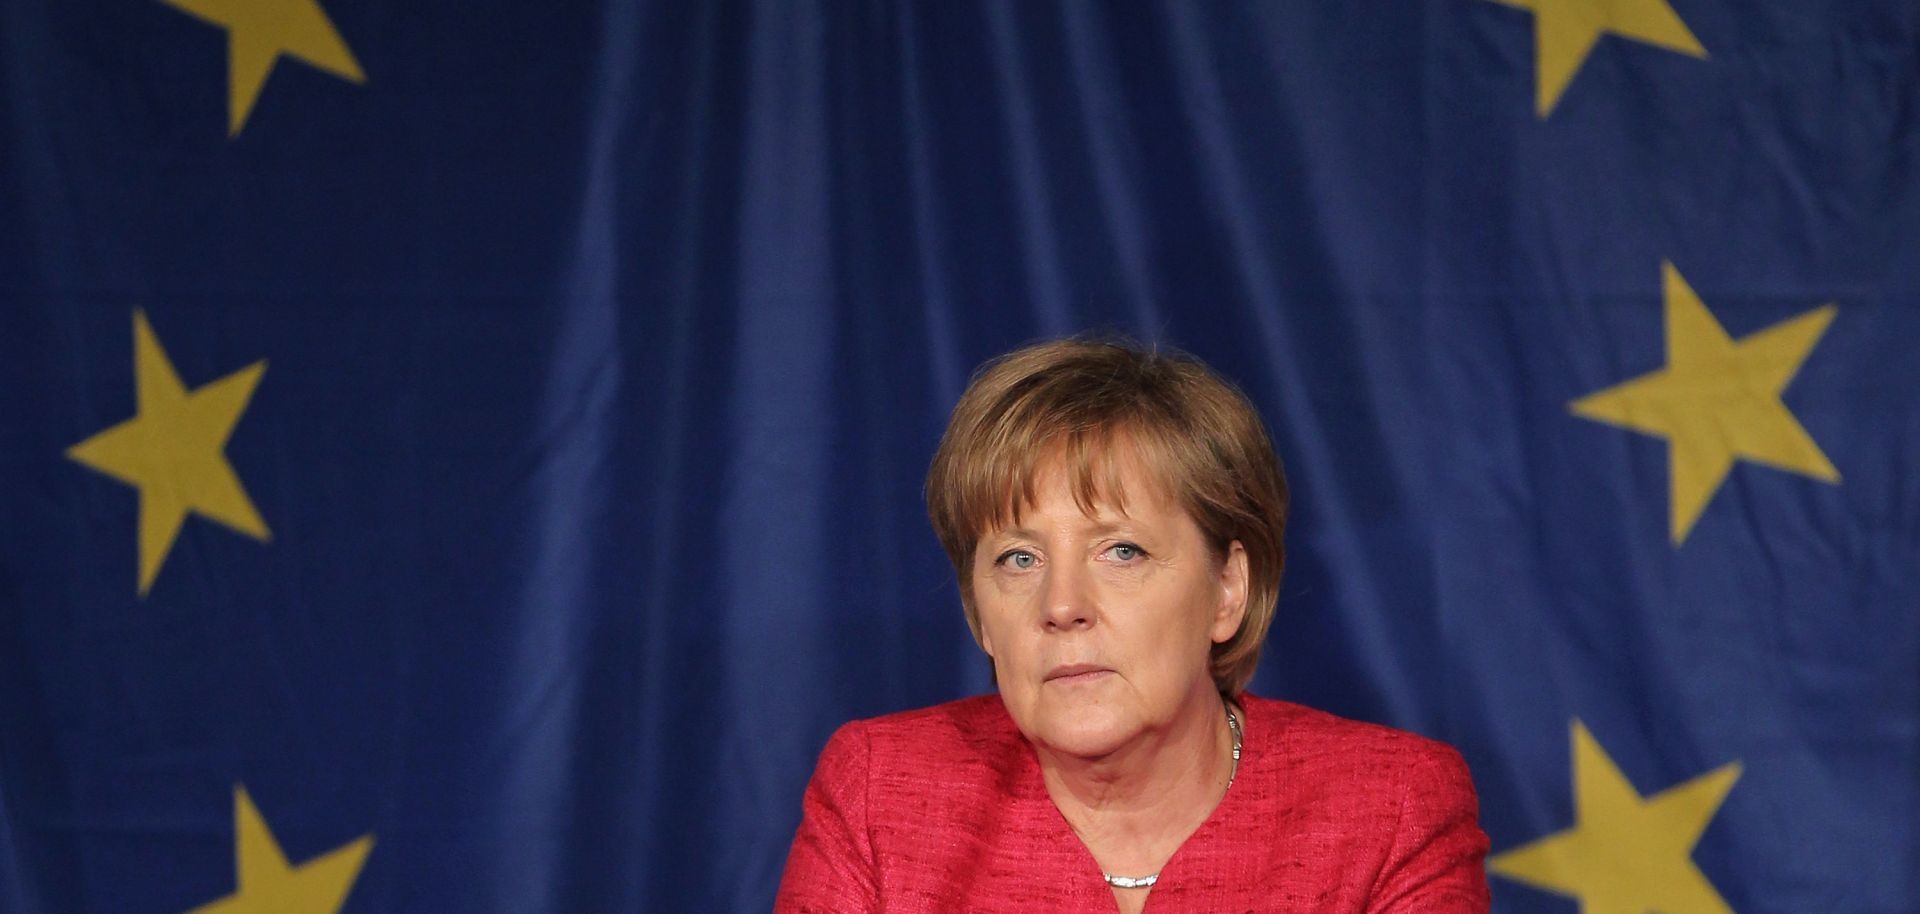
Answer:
[(1114, 517)]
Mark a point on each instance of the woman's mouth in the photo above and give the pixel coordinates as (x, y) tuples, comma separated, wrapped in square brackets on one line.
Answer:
[(1072, 674)]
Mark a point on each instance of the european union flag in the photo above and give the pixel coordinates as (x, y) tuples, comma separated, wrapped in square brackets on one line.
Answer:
[(468, 459)]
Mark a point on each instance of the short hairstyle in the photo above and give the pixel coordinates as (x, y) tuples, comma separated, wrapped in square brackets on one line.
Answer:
[(1081, 399)]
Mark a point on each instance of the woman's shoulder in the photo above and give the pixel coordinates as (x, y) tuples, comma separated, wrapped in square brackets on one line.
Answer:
[(1400, 805), (1351, 753), (961, 755), (970, 731), (1311, 727), (976, 726)]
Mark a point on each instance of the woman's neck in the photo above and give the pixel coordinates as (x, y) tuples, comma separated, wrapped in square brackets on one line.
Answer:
[(1134, 807)]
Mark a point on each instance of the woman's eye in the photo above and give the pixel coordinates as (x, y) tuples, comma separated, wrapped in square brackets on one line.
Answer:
[(1125, 552), (1018, 558)]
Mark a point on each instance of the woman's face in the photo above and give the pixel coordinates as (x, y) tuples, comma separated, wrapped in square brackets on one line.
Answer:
[(1100, 626)]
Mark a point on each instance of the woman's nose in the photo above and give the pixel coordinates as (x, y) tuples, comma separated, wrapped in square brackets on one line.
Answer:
[(1070, 602)]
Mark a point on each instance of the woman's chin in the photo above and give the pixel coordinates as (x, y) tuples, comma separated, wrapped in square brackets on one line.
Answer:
[(1089, 735)]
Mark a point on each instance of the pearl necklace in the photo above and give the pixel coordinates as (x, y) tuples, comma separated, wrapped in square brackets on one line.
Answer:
[(1147, 881)]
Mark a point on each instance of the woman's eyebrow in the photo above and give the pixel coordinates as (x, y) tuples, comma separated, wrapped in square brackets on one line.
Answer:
[(1094, 527)]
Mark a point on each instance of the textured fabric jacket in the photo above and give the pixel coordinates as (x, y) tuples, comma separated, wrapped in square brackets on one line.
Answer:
[(943, 809)]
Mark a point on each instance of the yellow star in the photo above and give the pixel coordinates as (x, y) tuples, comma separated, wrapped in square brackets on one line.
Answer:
[(269, 886), (1717, 400), (258, 32), (173, 451), (1565, 30), (1626, 854)]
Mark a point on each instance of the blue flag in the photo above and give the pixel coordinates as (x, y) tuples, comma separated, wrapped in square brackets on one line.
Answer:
[(468, 459)]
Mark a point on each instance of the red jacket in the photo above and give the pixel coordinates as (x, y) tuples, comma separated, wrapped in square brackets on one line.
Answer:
[(943, 809)]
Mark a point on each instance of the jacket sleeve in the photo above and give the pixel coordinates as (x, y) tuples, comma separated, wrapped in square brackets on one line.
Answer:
[(1437, 861), (830, 867)]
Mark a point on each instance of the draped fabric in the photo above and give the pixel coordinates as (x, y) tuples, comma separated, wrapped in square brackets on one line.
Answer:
[(472, 463)]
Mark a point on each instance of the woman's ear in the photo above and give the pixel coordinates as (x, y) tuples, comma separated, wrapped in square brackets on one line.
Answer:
[(1233, 594)]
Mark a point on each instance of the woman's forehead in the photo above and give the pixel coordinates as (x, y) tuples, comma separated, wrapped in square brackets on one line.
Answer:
[(1114, 481)]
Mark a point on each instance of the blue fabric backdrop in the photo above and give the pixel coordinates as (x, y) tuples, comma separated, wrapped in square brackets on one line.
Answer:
[(605, 344)]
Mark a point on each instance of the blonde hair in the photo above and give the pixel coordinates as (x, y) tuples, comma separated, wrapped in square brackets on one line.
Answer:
[(1079, 400)]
